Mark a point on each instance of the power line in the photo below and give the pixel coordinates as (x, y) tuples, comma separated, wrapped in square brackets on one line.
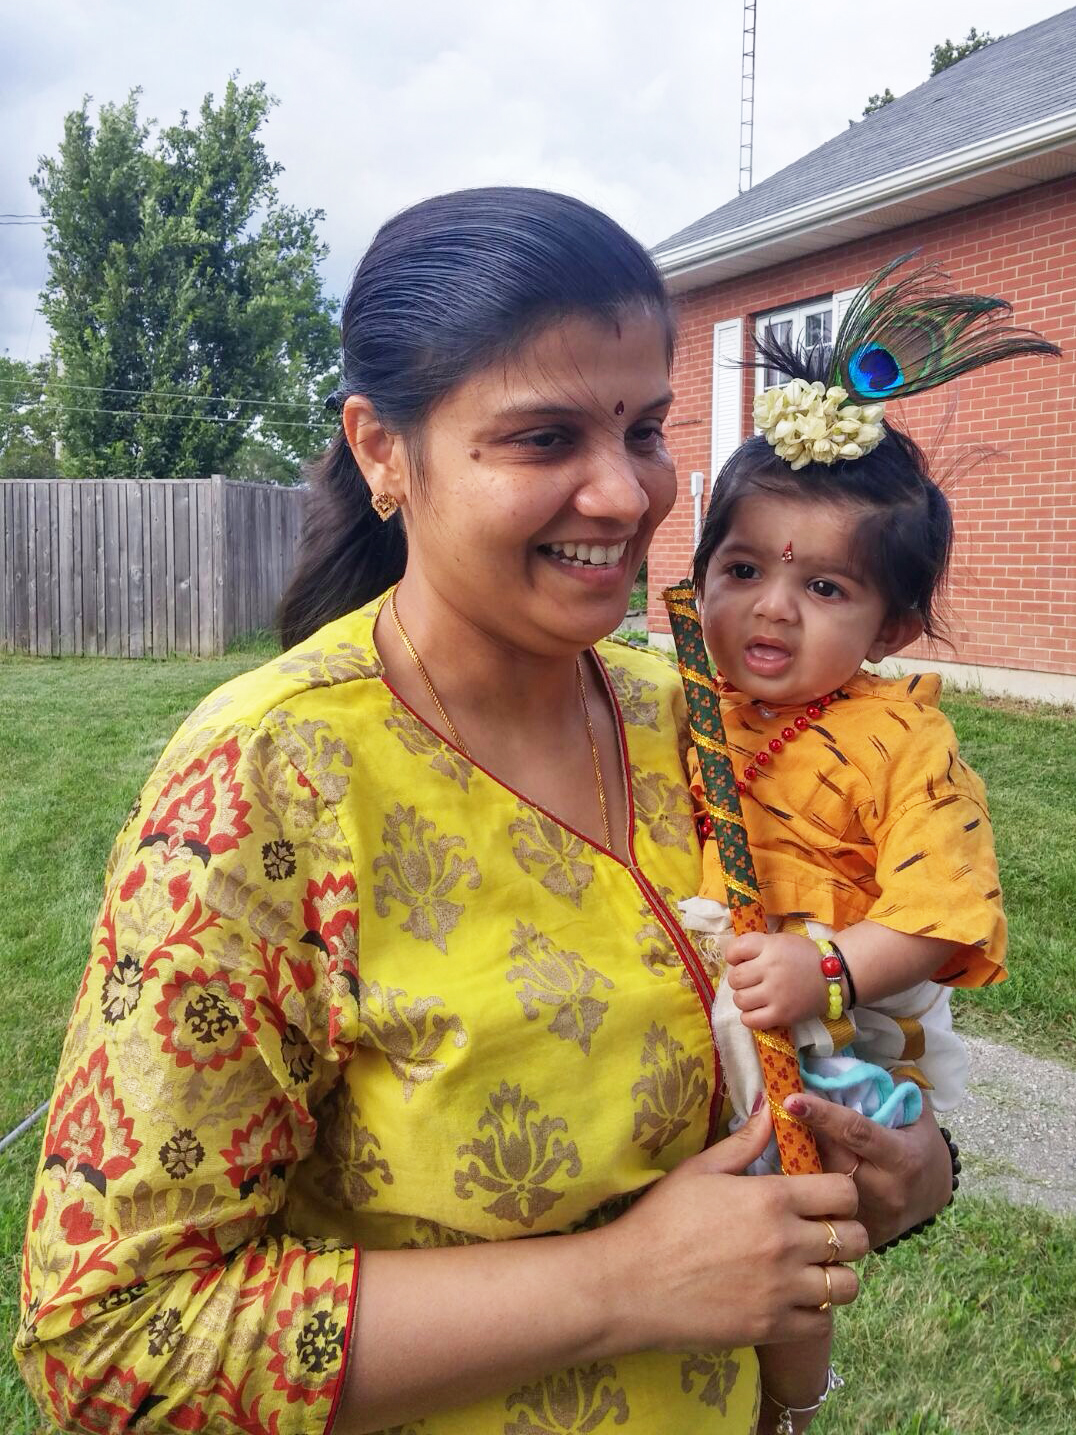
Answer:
[(171, 394), (167, 418)]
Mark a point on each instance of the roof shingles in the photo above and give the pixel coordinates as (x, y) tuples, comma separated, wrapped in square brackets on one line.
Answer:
[(1015, 82)]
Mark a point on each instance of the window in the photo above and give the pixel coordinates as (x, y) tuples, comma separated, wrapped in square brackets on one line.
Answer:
[(810, 323), (815, 322)]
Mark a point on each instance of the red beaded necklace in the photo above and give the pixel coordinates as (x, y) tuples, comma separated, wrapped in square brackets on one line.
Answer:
[(806, 719), (801, 723)]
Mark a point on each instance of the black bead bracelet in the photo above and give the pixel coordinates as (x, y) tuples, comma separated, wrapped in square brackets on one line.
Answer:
[(847, 974), (920, 1226)]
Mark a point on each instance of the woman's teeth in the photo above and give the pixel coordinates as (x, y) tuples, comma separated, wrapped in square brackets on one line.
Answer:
[(581, 554)]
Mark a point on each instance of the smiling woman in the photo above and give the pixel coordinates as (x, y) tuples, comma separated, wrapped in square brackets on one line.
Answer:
[(386, 983)]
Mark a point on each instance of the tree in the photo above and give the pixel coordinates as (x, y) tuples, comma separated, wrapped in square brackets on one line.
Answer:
[(942, 56), (27, 445), (878, 102), (184, 298)]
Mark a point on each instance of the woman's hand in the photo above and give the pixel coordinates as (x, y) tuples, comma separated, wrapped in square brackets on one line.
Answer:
[(903, 1176), (711, 1259)]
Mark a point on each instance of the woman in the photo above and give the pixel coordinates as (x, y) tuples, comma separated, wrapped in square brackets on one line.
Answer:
[(386, 961)]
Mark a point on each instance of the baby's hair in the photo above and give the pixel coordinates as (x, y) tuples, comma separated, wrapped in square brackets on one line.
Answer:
[(904, 538)]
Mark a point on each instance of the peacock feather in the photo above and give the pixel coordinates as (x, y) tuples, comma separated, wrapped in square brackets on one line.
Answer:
[(915, 334)]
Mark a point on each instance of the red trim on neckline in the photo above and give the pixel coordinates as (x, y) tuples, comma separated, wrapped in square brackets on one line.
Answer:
[(625, 774), (681, 942)]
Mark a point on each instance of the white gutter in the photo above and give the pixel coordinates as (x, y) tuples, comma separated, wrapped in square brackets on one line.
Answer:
[(952, 166)]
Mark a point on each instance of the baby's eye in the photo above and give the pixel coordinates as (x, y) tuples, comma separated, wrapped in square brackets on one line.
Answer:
[(823, 588), (742, 571)]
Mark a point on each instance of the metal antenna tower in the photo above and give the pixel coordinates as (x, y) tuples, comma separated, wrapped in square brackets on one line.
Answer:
[(747, 96)]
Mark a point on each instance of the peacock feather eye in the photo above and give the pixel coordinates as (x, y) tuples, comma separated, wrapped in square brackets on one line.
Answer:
[(875, 371)]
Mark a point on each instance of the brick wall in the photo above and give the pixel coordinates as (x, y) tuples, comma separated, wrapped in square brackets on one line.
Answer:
[(1012, 600)]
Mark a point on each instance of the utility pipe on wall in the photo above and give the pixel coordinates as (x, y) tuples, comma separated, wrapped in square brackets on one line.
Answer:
[(697, 481)]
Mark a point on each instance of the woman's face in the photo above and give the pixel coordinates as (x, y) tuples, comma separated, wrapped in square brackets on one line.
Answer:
[(543, 480)]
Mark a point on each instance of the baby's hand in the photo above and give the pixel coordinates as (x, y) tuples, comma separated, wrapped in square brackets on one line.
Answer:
[(775, 980)]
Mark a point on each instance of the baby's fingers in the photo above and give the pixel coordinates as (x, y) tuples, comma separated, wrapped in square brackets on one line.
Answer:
[(752, 999), (744, 948), (764, 1018), (747, 974)]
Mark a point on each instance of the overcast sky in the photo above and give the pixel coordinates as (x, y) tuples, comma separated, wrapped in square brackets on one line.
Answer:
[(632, 106)]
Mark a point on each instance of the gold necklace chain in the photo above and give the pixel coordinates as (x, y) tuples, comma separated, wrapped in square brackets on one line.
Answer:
[(594, 754), (426, 678), (596, 759)]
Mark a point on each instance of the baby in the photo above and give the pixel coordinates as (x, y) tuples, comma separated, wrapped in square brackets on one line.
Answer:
[(866, 827), (825, 546)]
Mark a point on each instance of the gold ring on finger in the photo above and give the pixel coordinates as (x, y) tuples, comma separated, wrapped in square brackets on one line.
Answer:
[(835, 1244), (829, 1289)]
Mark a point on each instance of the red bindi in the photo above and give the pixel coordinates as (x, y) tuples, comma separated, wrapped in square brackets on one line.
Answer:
[(619, 408), (786, 556)]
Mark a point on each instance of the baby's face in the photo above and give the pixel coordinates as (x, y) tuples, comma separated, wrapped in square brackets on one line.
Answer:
[(786, 615)]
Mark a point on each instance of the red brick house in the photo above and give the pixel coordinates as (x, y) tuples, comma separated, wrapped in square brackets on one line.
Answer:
[(977, 168)]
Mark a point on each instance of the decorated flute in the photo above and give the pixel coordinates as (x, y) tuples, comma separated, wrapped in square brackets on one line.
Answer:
[(777, 1055)]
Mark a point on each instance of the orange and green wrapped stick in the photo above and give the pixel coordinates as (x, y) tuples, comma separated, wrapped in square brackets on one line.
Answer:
[(777, 1055)]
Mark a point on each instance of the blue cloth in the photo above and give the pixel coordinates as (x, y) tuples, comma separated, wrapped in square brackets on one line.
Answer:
[(863, 1086)]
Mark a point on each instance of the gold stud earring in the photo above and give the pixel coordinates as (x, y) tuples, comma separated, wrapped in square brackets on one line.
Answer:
[(384, 505)]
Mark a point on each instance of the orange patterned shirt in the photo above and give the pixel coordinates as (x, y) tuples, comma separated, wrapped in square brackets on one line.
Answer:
[(349, 991), (871, 815)]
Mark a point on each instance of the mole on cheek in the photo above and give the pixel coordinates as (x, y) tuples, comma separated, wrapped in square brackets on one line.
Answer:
[(476, 454)]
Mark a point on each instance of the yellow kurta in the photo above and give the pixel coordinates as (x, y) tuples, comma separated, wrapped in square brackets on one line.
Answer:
[(347, 990), (871, 816)]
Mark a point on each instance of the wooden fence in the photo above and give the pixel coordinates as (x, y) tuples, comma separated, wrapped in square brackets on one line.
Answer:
[(133, 568)]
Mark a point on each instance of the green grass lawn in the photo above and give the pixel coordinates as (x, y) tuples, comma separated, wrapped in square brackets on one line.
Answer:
[(1027, 757), (966, 1331), (78, 737)]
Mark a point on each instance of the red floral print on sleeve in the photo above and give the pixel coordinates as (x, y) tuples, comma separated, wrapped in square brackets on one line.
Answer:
[(218, 1006)]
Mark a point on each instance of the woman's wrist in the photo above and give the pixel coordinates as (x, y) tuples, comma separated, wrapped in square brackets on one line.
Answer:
[(920, 1226), (612, 1277), (791, 1376), (783, 1417)]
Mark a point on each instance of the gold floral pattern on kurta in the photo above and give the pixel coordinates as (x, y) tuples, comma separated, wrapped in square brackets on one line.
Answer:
[(347, 990), (545, 976)]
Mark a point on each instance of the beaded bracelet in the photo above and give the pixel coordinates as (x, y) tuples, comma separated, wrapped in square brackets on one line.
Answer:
[(847, 974), (832, 965), (920, 1226)]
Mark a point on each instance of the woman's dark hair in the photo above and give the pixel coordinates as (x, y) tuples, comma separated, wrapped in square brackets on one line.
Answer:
[(447, 288), (904, 538)]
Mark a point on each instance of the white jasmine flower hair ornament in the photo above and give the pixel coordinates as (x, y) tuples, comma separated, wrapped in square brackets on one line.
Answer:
[(892, 343), (808, 423)]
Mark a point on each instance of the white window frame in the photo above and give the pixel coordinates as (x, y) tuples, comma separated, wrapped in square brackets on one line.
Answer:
[(838, 306)]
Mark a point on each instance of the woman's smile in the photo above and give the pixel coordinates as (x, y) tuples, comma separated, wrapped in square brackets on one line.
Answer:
[(601, 564)]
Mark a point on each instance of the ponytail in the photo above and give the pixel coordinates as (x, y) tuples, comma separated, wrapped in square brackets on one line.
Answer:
[(348, 555)]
